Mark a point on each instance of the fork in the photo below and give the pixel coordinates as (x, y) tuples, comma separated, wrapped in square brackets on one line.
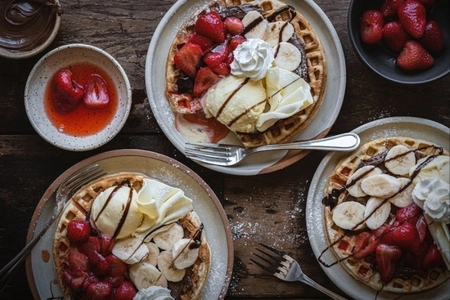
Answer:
[(228, 155), (286, 268), (63, 193)]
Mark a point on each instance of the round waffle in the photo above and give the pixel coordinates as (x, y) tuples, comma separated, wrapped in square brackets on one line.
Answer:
[(342, 242), (78, 207), (282, 130)]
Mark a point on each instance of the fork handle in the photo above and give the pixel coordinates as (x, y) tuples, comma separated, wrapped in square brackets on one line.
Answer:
[(312, 283), (342, 142)]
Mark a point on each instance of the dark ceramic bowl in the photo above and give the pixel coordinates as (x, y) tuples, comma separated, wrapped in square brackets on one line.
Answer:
[(383, 62)]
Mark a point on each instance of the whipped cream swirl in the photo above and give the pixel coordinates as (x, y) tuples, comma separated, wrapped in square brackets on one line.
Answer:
[(252, 59), (433, 196), (153, 293)]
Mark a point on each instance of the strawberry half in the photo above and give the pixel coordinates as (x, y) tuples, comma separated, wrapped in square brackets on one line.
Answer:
[(365, 244), (394, 36), (433, 258), (96, 93), (66, 93), (234, 25), (204, 42), (78, 230), (125, 291), (433, 38), (413, 15), (406, 237), (211, 26), (371, 26), (217, 55), (188, 58), (386, 257), (205, 79)]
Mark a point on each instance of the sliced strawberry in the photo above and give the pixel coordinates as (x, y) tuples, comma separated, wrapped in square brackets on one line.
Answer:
[(222, 69), (205, 79), (92, 244), (96, 92), (188, 58), (233, 25), (126, 291), (412, 16), (106, 244), (90, 278), (365, 244), (78, 230), (371, 26), (211, 26), (406, 237), (204, 42), (236, 41), (389, 7), (386, 258), (394, 36), (99, 265), (408, 213), (118, 267), (99, 290), (422, 227), (433, 38), (217, 55), (66, 92), (78, 260), (115, 281), (433, 258), (75, 282)]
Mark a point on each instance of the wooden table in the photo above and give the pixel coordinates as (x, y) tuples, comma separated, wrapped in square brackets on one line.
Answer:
[(266, 208)]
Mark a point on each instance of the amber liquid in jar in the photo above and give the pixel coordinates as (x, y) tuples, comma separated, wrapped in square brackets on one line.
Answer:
[(83, 121)]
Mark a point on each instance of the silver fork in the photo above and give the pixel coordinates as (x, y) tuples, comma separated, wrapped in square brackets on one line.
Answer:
[(63, 193), (228, 155), (284, 267)]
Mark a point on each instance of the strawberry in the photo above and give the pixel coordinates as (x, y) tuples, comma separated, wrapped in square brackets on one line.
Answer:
[(386, 257), (236, 41), (222, 69), (217, 55), (394, 36), (233, 25), (78, 230), (106, 244), (118, 267), (76, 281), (95, 92), (365, 244), (204, 80), (408, 213), (204, 42), (406, 237), (412, 16), (99, 265), (91, 278), (66, 93), (101, 290), (422, 227), (78, 260), (433, 38), (115, 281), (188, 58), (371, 26), (414, 57), (210, 25), (126, 291), (389, 7), (92, 244), (433, 258)]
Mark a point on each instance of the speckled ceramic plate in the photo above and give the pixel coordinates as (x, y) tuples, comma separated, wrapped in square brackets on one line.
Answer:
[(40, 268), (44, 70), (396, 126), (261, 162)]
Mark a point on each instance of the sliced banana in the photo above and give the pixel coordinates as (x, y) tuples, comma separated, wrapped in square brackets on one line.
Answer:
[(260, 30), (378, 212), (130, 250), (287, 56), (399, 160), (165, 239), (403, 198), (354, 181), (144, 275), (348, 215), (279, 31), (167, 267), (381, 185), (153, 253), (184, 253)]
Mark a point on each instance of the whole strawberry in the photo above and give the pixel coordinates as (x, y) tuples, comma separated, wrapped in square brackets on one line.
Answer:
[(78, 230), (389, 7), (432, 39), (394, 36), (371, 26), (414, 57), (412, 16), (211, 26)]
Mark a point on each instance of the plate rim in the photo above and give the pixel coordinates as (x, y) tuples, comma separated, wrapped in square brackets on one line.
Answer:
[(145, 154), (284, 158), (315, 237)]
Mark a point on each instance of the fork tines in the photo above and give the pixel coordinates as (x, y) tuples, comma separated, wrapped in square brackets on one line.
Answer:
[(274, 262)]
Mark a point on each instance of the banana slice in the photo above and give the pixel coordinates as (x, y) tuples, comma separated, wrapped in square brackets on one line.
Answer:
[(378, 212), (279, 31), (381, 185), (165, 239), (403, 198), (184, 253), (349, 214), (130, 250), (287, 56), (144, 275), (399, 160), (260, 30), (354, 189), (153, 253), (167, 267)]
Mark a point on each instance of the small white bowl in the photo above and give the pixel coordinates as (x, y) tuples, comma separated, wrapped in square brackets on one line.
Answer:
[(44, 70)]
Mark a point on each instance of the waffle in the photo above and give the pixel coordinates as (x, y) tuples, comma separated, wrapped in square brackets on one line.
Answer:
[(342, 242), (284, 129), (79, 207)]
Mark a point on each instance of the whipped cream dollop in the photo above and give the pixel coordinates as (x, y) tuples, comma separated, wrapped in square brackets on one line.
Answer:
[(252, 59), (433, 196), (153, 293)]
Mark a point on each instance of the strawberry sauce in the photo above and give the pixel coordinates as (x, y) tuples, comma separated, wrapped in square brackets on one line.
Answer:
[(83, 121)]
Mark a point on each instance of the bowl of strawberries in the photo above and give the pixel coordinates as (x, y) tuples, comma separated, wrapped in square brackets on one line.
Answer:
[(404, 41), (77, 97)]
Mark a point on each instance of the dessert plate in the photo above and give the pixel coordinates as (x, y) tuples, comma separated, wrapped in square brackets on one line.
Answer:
[(40, 268), (396, 126), (263, 162)]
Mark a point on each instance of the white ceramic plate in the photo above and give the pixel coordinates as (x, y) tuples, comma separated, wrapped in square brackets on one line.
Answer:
[(262, 162), (40, 265), (396, 126)]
